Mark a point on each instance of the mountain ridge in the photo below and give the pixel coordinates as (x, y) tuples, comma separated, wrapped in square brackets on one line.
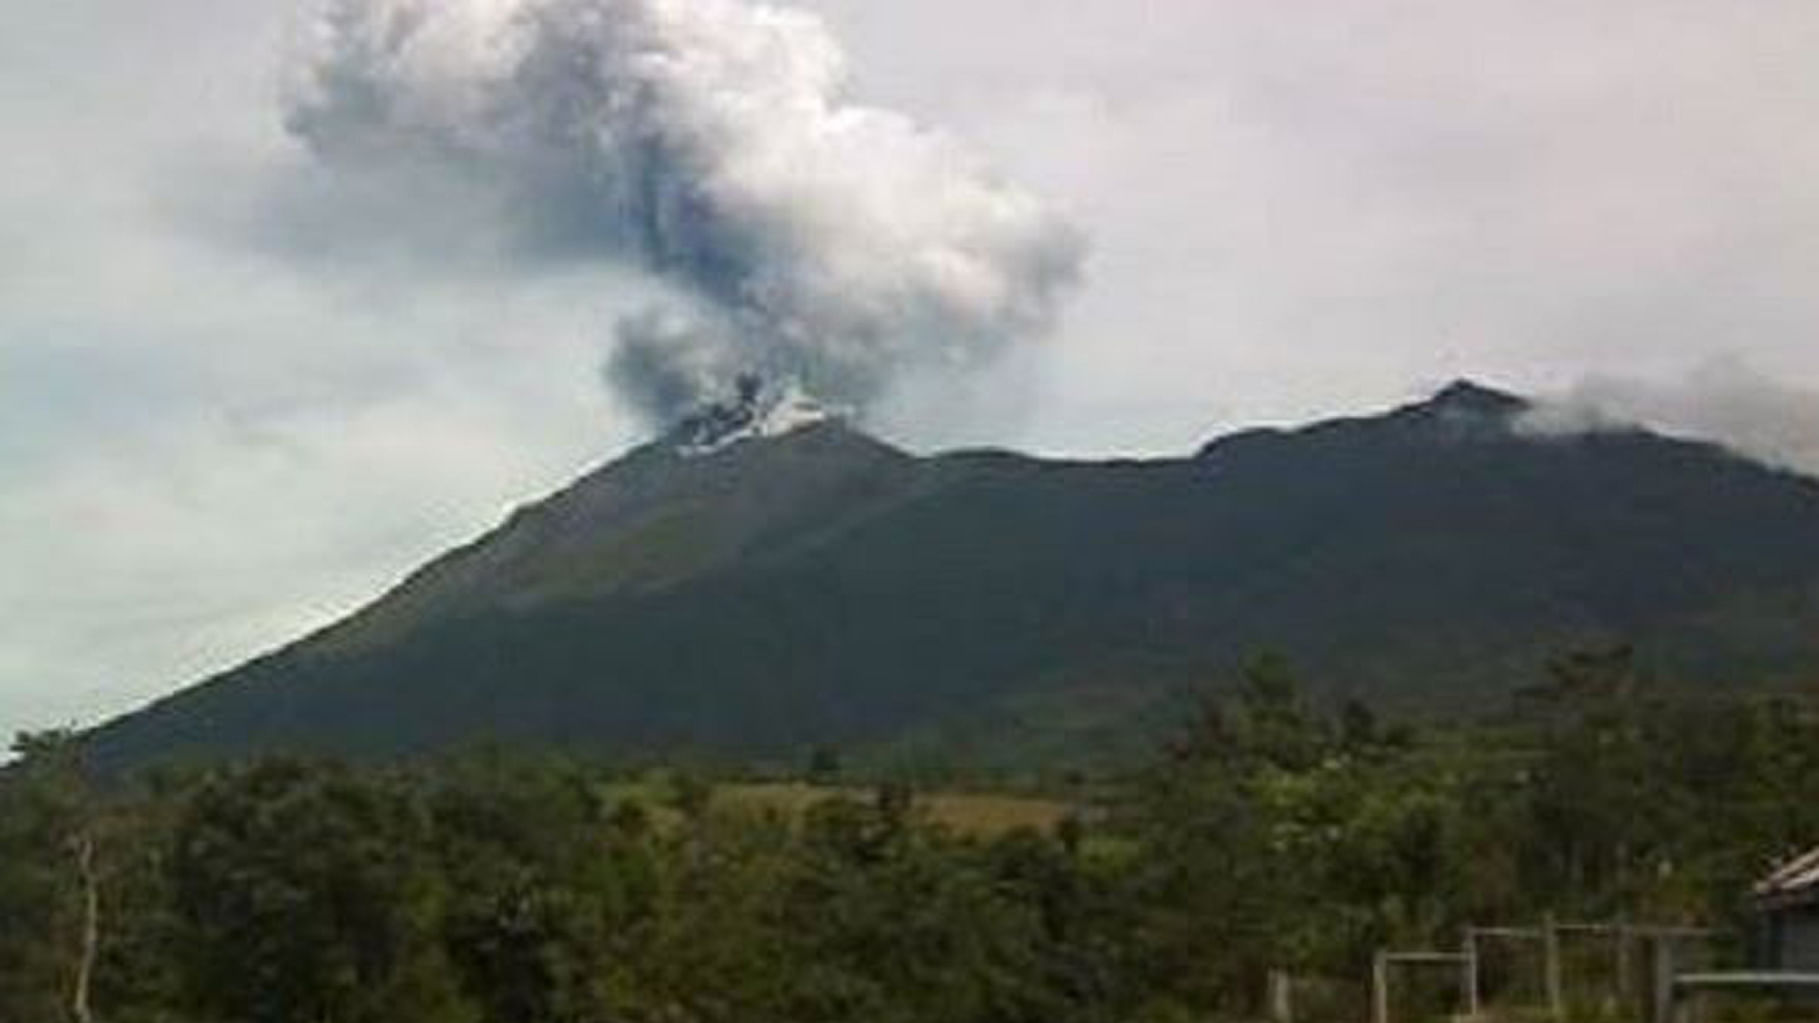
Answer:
[(821, 586)]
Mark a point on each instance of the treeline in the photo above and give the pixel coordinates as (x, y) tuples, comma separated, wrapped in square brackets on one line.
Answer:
[(1270, 835)]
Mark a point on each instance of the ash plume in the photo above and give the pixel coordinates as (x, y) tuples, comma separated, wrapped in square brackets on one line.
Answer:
[(795, 233)]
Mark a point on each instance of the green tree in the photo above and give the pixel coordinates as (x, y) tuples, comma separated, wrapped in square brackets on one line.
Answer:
[(49, 912), (542, 881), (307, 893)]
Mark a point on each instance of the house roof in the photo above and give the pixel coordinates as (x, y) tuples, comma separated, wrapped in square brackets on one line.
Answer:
[(1794, 882)]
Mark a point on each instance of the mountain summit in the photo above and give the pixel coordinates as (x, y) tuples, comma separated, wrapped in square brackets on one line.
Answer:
[(749, 589), (755, 410), (1466, 398)]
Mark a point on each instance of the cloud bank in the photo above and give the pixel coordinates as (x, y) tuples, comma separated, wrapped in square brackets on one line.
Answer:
[(712, 143), (1725, 401)]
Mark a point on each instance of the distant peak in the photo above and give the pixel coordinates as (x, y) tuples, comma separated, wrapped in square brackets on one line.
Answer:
[(1464, 410), (755, 409), (1472, 397)]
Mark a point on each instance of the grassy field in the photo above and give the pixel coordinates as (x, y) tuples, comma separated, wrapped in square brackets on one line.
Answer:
[(973, 813), (981, 814)]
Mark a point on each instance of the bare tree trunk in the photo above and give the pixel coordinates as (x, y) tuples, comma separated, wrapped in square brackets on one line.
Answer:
[(91, 927)]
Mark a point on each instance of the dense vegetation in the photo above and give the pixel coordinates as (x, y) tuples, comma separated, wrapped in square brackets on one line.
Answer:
[(822, 587), (1269, 835)]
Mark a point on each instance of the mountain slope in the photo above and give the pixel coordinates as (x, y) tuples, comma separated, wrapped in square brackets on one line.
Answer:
[(819, 586)]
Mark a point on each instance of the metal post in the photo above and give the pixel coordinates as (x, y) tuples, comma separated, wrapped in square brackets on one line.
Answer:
[(1662, 1009), (1469, 973), (1556, 993), (1625, 964), (1380, 988), (1281, 997)]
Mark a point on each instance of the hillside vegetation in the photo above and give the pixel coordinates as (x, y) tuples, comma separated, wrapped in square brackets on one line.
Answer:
[(1267, 835)]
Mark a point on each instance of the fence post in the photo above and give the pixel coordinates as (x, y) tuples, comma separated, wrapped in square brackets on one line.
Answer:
[(1550, 943), (1380, 988), (1662, 1009), (1626, 966), (1281, 997), (1469, 971)]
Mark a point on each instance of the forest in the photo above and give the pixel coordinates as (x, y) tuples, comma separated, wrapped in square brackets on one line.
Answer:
[(1269, 833)]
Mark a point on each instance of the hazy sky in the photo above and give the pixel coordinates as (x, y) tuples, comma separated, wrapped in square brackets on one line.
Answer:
[(224, 420)]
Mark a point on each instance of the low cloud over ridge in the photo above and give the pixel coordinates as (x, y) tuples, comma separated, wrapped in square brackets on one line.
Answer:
[(1725, 401)]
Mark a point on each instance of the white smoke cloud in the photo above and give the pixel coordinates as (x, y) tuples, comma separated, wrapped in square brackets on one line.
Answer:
[(712, 143), (1725, 401)]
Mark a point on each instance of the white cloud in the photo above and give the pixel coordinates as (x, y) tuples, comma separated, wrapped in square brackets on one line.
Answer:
[(1725, 400)]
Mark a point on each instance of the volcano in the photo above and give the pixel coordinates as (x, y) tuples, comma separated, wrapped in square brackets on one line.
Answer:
[(767, 578), (755, 410)]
